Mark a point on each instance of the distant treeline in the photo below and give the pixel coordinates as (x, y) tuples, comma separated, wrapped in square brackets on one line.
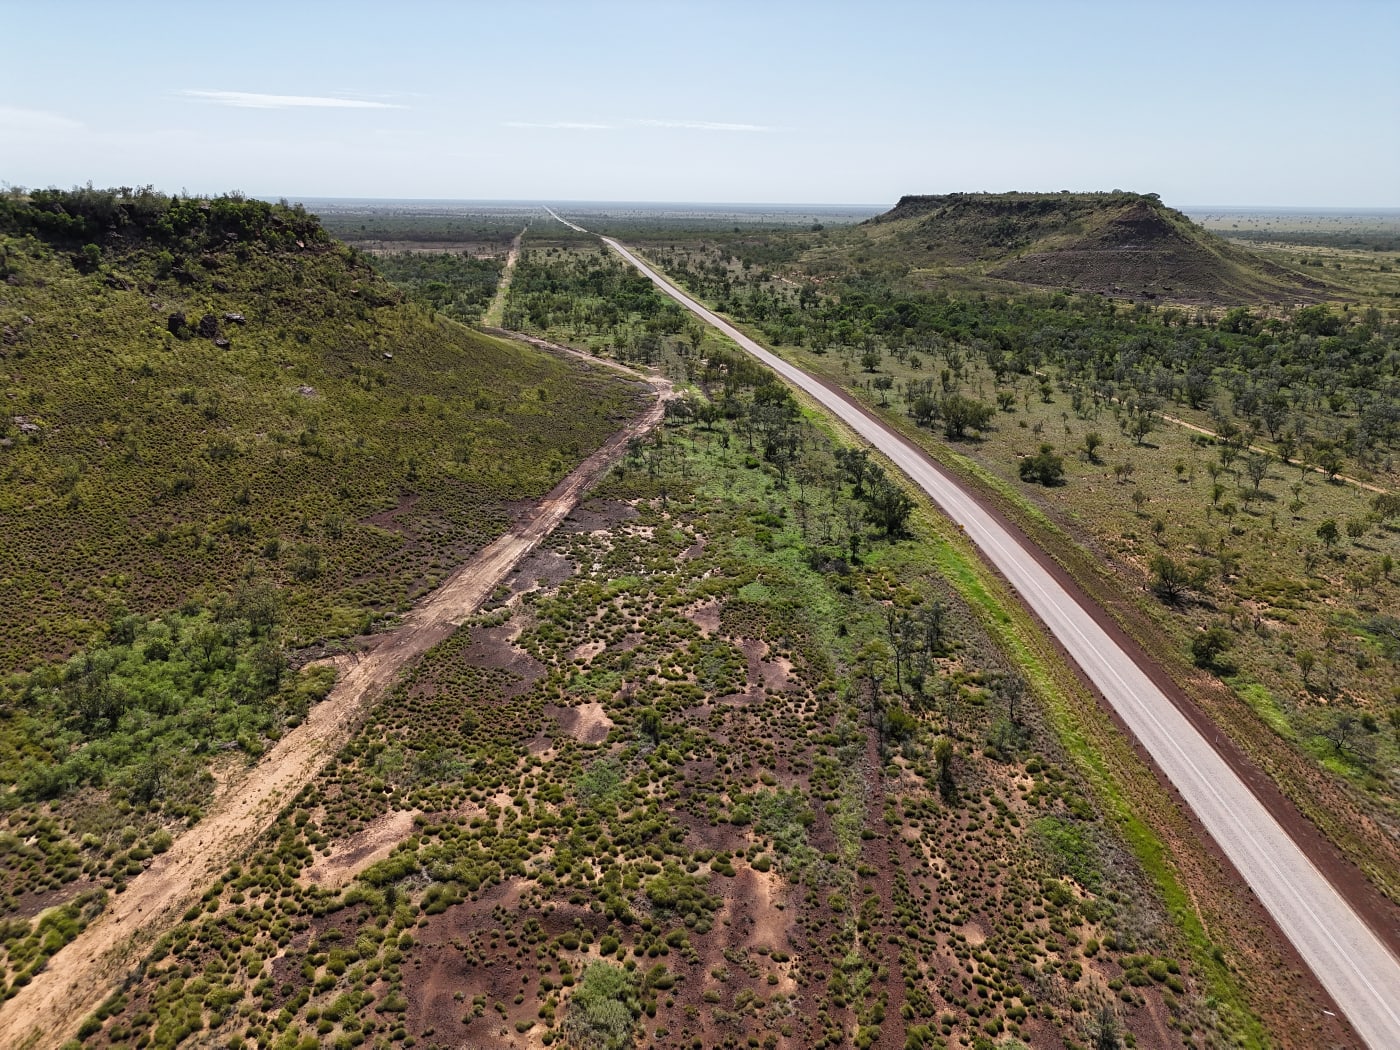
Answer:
[(1375, 241)]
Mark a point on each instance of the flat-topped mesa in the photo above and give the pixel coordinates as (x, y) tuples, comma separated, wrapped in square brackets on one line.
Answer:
[(912, 205), (1115, 243)]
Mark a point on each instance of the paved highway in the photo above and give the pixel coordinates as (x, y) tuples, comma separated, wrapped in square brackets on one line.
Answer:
[(1350, 961)]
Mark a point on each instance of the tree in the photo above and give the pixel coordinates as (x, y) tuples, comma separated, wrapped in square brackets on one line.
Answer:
[(961, 414), (1256, 465), (924, 409), (1106, 1031), (1328, 532), (856, 464), (89, 260), (651, 724), (1171, 580), (1386, 506), (1330, 460), (1208, 646), (943, 763), (1092, 441), (1306, 662), (1045, 467), (887, 506), (870, 360)]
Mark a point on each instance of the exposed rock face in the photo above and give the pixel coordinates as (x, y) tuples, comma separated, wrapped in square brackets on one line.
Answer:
[(208, 327)]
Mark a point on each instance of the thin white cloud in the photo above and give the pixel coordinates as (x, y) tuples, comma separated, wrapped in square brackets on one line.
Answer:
[(557, 125), (16, 118), (258, 100), (702, 125)]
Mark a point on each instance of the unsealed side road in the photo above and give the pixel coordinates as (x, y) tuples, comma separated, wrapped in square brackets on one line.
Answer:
[(79, 977), (1348, 958)]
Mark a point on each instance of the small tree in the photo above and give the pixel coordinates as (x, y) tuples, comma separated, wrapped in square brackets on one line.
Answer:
[(1208, 646), (943, 763), (1171, 580), (1306, 662), (961, 414), (888, 507), (1330, 460), (1328, 532), (1092, 441), (924, 409), (1257, 466), (1044, 467)]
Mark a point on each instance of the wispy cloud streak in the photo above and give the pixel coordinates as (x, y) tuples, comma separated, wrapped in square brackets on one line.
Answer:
[(702, 125), (16, 118), (558, 125), (258, 100)]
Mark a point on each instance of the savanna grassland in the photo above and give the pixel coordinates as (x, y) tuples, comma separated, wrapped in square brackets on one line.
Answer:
[(751, 752), (730, 763), (227, 440), (1357, 251), (1233, 465)]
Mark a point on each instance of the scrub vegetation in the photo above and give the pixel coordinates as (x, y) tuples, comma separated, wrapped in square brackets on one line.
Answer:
[(728, 764), (1237, 463)]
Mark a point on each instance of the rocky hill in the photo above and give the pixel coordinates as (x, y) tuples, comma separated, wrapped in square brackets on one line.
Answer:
[(1119, 244), (199, 392)]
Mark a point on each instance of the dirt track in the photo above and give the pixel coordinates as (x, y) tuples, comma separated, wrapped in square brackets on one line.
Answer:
[(78, 978), (497, 309)]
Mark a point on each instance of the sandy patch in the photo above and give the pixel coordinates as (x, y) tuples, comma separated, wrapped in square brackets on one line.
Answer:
[(351, 855), (705, 617), (586, 723), (587, 651)]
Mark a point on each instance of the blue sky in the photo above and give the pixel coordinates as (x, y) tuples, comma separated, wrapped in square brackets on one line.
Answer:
[(1205, 103)]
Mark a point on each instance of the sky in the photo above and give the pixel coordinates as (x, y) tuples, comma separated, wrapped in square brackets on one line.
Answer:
[(1225, 103)]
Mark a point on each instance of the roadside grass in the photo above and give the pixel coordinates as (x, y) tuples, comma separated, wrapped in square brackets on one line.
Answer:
[(1120, 781)]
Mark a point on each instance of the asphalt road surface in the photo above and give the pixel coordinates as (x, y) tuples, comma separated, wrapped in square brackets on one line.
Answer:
[(1349, 960)]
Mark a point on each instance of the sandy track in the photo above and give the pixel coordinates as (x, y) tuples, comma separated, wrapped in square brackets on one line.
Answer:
[(78, 978), (497, 309), (1349, 957)]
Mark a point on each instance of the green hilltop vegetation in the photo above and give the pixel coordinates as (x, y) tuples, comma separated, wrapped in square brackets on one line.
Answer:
[(202, 391), (1119, 244)]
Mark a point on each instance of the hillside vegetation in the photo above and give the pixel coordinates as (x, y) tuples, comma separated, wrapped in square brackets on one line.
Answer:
[(1119, 244), (204, 390), (225, 439)]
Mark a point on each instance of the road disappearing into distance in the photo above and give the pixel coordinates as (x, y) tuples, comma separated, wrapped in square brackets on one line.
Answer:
[(1349, 960)]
